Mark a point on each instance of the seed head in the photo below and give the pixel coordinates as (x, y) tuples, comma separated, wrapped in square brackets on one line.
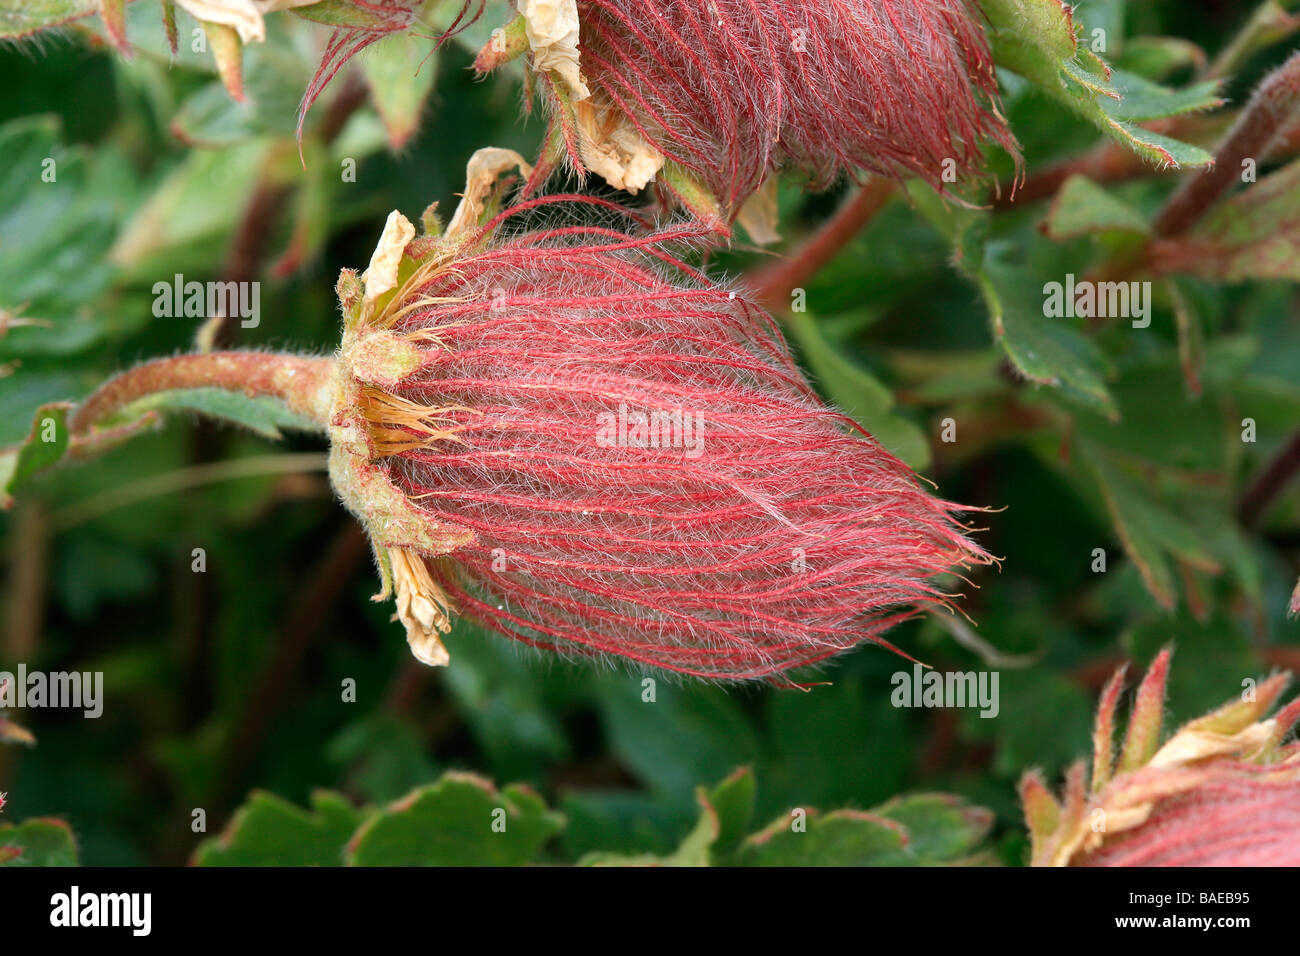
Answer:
[(729, 90), (574, 438)]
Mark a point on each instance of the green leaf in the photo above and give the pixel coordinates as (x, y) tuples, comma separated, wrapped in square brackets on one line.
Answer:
[(682, 736), (867, 759), (45, 445), (1217, 526), (1039, 39), (725, 814), (1046, 350), (1030, 700), (198, 202), (270, 831), (838, 838), (621, 822), (695, 850), (400, 74), (1142, 100), (210, 118), (1161, 428), (383, 754), (40, 841), (1149, 530), (20, 19), (462, 820), (940, 826), (1157, 57), (501, 694), (266, 415), (58, 214), (1083, 208), (860, 394), (1271, 23), (1105, 20), (274, 74), (347, 14), (917, 829), (733, 801)]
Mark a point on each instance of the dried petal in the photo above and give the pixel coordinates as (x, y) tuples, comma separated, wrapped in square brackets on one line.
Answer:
[(481, 174), (381, 275), (613, 148), (552, 29)]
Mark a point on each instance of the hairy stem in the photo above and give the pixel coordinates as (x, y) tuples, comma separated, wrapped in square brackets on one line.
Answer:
[(301, 381), (1260, 126)]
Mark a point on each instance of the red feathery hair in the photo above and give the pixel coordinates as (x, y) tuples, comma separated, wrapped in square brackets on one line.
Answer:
[(730, 89), (775, 535), (1237, 815), (383, 17)]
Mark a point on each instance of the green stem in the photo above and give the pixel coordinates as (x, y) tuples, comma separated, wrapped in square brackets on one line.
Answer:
[(302, 382)]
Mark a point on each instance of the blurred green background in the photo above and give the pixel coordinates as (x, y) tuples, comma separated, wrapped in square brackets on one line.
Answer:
[(229, 680)]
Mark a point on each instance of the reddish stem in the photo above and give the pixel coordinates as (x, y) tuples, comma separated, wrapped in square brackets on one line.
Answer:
[(1270, 482), (301, 381), (772, 285), (1261, 125)]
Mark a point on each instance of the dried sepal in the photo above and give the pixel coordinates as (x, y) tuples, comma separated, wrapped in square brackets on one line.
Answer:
[(422, 606)]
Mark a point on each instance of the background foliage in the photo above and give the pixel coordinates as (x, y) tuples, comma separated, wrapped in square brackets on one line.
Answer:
[(1088, 435)]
